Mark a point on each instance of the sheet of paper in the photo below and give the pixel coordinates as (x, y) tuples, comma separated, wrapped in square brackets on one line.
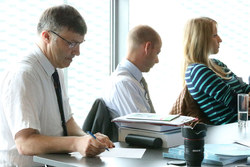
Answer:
[(118, 152), (124, 152)]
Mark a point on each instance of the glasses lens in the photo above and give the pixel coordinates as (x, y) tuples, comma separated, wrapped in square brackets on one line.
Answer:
[(73, 44)]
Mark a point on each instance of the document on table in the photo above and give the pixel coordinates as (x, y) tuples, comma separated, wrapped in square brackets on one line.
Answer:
[(124, 152), (118, 152)]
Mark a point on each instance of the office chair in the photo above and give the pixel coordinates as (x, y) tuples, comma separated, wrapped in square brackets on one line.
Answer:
[(99, 120)]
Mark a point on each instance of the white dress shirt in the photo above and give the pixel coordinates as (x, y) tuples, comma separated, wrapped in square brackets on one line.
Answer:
[(28, 100), (124, 94)]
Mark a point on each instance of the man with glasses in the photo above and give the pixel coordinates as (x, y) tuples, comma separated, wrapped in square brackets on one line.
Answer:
[(35, 113)]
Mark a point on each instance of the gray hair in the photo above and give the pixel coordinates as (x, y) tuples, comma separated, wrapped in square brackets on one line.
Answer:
[(63, 16)]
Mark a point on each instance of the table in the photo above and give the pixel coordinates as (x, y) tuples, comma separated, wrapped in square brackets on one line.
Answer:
[(224, 134), (151, 158)]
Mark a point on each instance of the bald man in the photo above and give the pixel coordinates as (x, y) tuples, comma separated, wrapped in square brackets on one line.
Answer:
[(126, 93)]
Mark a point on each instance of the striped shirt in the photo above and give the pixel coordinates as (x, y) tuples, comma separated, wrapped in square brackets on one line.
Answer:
[(216, 97)]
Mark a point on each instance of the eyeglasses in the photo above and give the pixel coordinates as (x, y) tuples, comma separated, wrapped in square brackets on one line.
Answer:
[(71, 44)]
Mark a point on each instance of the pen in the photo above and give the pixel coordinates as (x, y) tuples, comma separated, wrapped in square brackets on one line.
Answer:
[(95, 138)]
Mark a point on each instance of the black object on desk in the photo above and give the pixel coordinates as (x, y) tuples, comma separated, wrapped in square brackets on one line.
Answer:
[(194, 143), (143, 141)]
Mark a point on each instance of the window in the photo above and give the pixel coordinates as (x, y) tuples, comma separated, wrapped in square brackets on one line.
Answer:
[(87, 72), (169, 17), (85, 77)]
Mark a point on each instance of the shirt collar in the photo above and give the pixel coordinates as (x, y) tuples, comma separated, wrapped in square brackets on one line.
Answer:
[(43, 60), (132, 69)]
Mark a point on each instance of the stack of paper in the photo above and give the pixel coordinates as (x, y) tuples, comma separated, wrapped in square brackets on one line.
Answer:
[(151, 118), (167, 127), (150, 127), (215, 154)]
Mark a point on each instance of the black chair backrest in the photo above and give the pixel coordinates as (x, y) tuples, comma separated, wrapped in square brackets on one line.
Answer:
[(99, 120)]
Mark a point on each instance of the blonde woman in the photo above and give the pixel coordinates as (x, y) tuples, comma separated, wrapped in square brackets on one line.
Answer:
[(210, 82)]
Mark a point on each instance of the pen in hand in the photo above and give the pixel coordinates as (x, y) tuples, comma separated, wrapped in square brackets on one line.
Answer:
[(91, 134)]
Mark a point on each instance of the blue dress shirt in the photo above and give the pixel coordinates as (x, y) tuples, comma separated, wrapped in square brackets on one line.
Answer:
[(124, 93)]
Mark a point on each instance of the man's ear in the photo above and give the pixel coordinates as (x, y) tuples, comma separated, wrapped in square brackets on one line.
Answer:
[(147, 47), (46, 36)]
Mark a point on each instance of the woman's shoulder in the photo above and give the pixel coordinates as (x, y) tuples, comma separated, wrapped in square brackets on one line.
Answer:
[(218, 62), (196, 69), (200, 65), (196, 66)]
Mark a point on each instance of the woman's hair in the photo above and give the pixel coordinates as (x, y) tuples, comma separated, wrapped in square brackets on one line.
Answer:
[(63, 16), (197, 44)]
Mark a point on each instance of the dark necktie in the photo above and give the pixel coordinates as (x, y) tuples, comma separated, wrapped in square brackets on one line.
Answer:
[(145, 85), (59, 100)]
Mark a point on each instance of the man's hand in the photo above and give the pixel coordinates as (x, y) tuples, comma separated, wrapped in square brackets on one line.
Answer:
[(104, 139), (90, 147)]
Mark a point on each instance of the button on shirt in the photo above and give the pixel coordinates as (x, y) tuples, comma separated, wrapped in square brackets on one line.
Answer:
[(124, 94), (28, 100)]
